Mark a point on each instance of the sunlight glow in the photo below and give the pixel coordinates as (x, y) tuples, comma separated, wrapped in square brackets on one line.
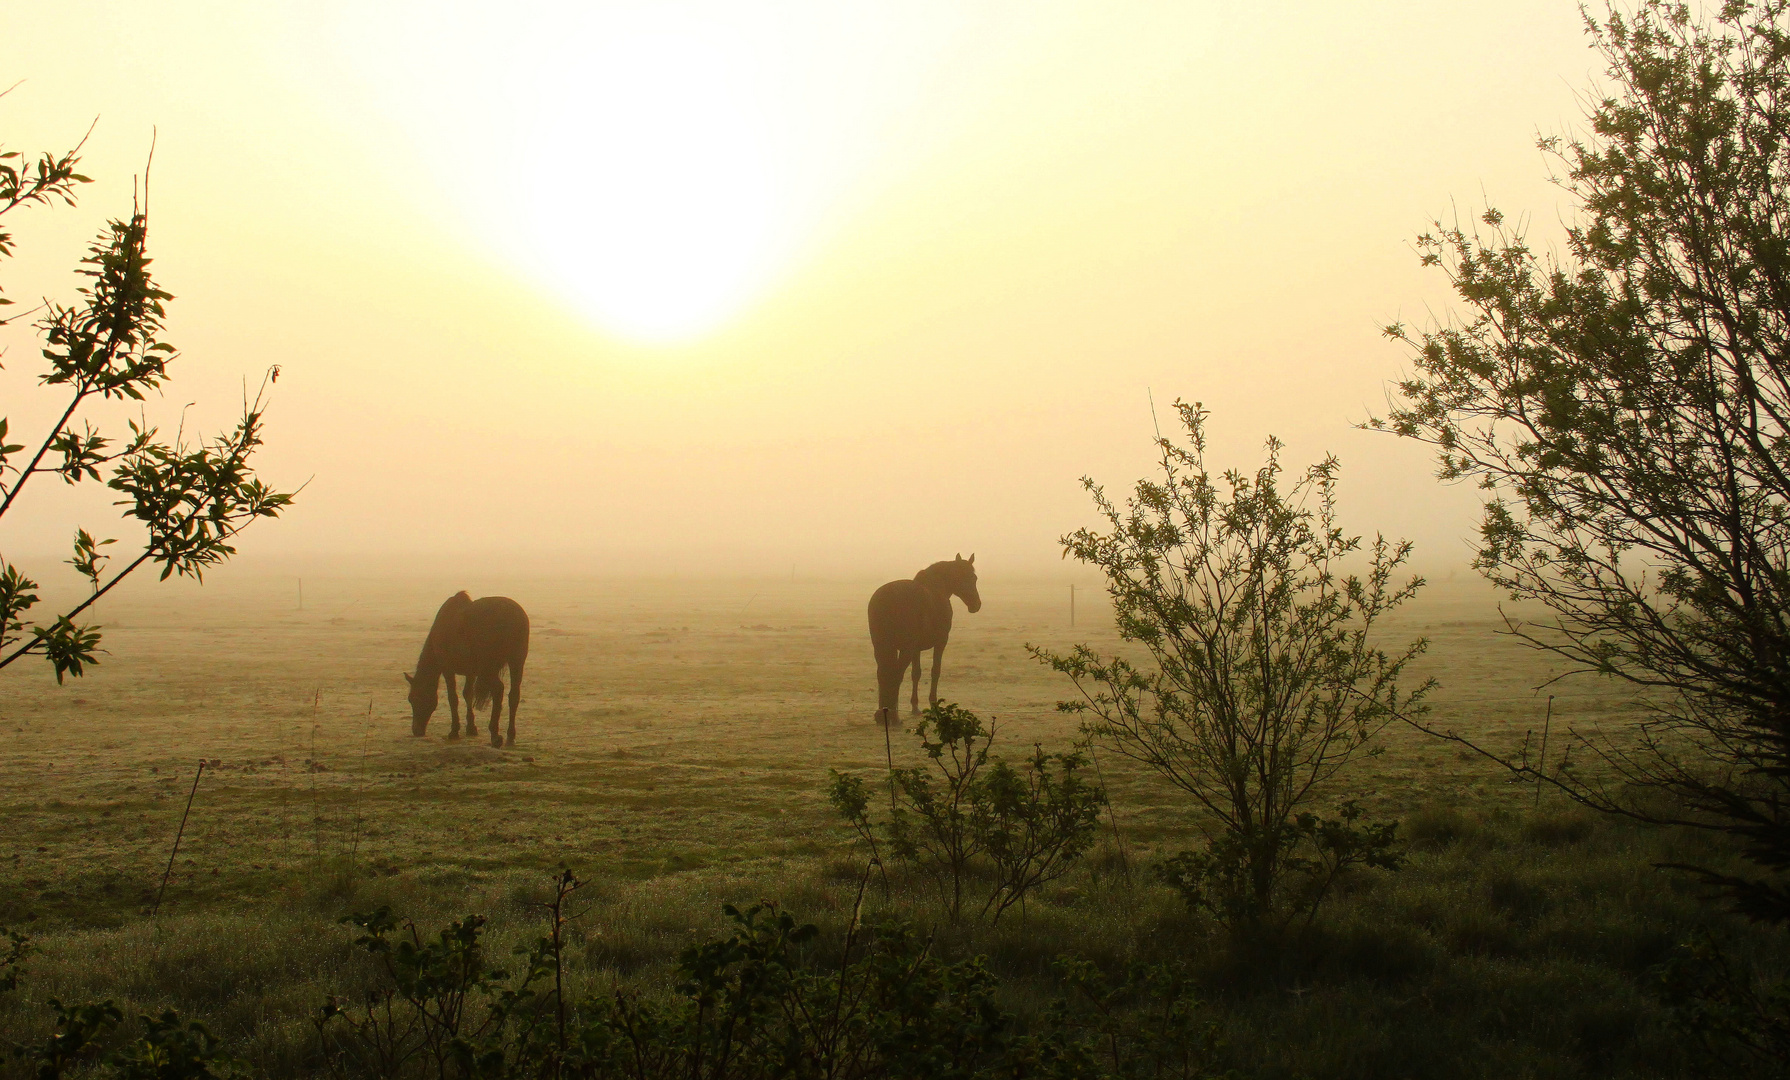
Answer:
[(661, 167), (656, 208)]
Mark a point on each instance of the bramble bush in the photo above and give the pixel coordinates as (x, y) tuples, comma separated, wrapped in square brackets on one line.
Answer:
[(168, 1048), (769, 1000)]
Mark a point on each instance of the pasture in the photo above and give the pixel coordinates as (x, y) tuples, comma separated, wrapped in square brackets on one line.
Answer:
[(672, 743)]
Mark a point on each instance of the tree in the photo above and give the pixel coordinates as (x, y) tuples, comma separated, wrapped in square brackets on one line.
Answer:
[(1626, 408), (1264, 675), (190, 498)]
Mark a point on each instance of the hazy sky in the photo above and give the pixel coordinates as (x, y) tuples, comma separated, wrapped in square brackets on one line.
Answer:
[(740, 286)]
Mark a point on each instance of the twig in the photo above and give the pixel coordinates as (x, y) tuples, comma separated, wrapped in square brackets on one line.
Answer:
[(851, 934), (177, 835), (1112, 817), (1545, 725), (1595, 799)]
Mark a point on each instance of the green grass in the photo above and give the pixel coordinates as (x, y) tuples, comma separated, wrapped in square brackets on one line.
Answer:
[(1515, 942), (1489, 955)]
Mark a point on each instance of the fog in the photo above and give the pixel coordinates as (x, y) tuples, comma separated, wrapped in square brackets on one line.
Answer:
[(989, 236)]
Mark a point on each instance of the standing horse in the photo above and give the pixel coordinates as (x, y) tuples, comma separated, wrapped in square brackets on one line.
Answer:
[(909, 617), (477, 639)]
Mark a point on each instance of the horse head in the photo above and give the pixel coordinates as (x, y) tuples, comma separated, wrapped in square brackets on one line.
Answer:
[(422, 703), (963, 581)]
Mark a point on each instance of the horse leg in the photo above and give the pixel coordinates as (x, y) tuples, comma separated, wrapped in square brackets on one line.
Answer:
[(454, 706), (938, 657), (914, 699), (496, 706), (515, 700), (888, 683)]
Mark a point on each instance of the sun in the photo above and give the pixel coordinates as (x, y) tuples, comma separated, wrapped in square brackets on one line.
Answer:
[(655, 205), (662, 166), (658, 167)]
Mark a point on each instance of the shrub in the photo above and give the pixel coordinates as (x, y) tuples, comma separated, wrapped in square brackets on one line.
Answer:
[(1264, 674), (1028, 825), (1623, 407), (1314, 853), (12, 959), (168, 1049), (1437, 827), (766, 1001), (1736, 1015)]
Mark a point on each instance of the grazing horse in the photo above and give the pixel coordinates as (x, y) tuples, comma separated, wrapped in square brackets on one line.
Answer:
[(909, 617), (474, 638)]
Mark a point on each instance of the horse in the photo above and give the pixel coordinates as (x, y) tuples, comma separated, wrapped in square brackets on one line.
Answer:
[(477, 639), (909, 617)]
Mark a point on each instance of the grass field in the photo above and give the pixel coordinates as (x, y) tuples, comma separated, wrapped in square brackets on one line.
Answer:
[(672, 744)]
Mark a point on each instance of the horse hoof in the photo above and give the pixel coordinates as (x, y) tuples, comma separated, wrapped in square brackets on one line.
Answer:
[(497, 741), (509, 741)]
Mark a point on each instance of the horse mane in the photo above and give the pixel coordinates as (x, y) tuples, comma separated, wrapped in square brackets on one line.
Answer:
[(934, 573), (945, 574), (448, 622)]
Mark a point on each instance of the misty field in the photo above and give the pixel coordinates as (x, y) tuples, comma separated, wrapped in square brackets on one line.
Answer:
[(672, 745)]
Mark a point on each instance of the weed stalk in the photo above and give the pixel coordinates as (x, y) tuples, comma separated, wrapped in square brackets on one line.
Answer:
[(311, 767), (360, 789), (568, 884)]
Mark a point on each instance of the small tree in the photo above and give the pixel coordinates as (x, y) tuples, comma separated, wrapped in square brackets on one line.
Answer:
[(1034, 823), (1627, 411), (929, 824), (190, 498), (1263, 677), (964, 813)]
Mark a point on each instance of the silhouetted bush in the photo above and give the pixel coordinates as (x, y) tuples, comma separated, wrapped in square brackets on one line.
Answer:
[(168, 1048), (765, 1001), (1022, 827), (1263, 675), (1718, 1000), (1625, 407), (1313, 853)]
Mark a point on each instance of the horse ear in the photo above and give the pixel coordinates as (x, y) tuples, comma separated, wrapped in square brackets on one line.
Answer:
[(408, 679), (972, 558), (960, 556)]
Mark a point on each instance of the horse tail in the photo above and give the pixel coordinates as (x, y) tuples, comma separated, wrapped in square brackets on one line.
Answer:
[(485, 689)]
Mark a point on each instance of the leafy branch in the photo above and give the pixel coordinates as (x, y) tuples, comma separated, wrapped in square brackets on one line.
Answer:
[(191, 499)]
